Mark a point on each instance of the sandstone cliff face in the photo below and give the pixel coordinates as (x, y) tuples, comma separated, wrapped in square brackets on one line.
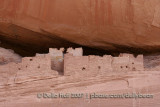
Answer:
[(105, 24)]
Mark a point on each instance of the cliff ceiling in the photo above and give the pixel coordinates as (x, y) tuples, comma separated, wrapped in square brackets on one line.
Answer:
[(29, 26)]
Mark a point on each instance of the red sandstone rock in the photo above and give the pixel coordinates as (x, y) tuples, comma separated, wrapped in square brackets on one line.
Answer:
[(105, 24)]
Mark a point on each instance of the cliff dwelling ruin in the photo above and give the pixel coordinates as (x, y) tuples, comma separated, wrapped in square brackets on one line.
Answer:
[(74, 63), (87, 48)]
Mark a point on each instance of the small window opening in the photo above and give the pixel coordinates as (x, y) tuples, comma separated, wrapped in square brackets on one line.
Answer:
[(99, 67), (83, 68), (38, 66)]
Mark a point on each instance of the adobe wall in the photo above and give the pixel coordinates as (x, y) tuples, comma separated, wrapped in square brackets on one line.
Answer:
[(41, 62), (94, 65), (37, 63), (135, 63), (31, 68), (98, 64), (75, 64), (120, 64), (86, 65)]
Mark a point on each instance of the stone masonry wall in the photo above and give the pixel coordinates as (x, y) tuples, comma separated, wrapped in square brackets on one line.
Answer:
[(94, 65), (135, 63), (75, 64), (120, 64), (36, 63), (86, 65), (99, 64)]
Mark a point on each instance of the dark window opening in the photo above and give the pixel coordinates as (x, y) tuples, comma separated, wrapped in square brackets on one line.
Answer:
[(26, 66), (121, 66), (83, 68), (31, 59), (19, 68), (132, 62), (38, 66), (126, 66), (99, 67)]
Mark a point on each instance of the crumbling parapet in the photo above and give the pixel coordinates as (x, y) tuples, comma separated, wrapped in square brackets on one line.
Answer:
[(75, 52), (56, 52), (40, 55)]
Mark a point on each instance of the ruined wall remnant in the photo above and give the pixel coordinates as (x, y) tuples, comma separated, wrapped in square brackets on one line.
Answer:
[(87, 65), (75, 52), (30, 69), (38, 63), (94, 65), (41, 62), (74, 63), (57, 59)]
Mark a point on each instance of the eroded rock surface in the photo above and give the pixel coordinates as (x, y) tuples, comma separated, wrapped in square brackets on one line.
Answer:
[(152, 62), (7, 56)]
